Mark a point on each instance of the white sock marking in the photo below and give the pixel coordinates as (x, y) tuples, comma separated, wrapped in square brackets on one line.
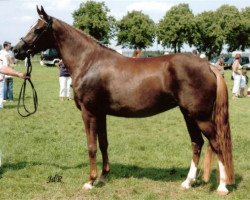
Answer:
[(190, 177), (222, 186), (87, 186)]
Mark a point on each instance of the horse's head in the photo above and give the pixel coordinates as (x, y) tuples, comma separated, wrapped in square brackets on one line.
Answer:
[(39, 38)]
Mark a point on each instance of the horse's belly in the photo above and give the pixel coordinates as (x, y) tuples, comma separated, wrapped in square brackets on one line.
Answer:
[(142, 108)]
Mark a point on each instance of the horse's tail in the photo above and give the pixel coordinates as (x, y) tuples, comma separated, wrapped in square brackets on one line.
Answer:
[(222, 126), (207, 163)]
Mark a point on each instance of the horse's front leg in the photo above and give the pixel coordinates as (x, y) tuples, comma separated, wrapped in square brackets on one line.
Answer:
[(90, 122), (103, 144)]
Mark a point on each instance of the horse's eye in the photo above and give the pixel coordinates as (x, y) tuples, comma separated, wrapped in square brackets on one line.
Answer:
[(38, 31)]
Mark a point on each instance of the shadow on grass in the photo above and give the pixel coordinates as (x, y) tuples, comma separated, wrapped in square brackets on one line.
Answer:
[(120, 171), (166, 174), (14, 104), (214, 181), (22, 165), (10, 106), (156, 174)]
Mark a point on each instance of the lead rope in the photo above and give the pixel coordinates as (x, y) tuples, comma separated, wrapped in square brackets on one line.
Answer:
[(21, 99)]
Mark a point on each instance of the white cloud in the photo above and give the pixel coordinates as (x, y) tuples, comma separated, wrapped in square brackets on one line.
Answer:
[(63, 4), (29, 5), (149, 6), (155, 9)]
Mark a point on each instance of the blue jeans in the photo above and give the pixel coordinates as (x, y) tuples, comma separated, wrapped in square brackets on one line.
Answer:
[(1, 93), (8, 89)]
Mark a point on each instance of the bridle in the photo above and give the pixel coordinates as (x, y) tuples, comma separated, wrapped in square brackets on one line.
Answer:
[(34, 43), (21, 99)]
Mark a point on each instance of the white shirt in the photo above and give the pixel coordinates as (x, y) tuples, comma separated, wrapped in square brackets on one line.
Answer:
[(1, 75), (5, 57), (1, 65)]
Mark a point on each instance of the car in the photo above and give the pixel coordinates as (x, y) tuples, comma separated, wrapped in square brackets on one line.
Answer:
[(229, 63), (50, 57), (227, 60), (213, 60), (247, 66), (244, 61)]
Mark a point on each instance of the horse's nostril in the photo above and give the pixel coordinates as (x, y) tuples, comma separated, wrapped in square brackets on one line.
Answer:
[(15, 51)]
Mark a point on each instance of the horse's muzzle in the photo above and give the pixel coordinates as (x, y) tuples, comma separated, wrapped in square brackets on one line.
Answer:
[(19, 54)]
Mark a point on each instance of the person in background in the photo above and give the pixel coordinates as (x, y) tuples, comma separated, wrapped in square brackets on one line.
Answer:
[(243, 81), (6, 70), (220, 66), (7, 60), (236, 67), (137, 53), (194, 52), (64, 81), (203, 56)]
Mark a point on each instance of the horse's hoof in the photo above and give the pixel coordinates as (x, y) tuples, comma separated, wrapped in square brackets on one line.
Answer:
[(185, 185), (87, 186), (100, 182), (222, 191)]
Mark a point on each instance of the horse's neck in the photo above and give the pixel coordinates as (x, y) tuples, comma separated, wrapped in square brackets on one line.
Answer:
[(75, 47)]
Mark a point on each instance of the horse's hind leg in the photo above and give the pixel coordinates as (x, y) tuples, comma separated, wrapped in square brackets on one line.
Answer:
[(197, 143), (209, 131)]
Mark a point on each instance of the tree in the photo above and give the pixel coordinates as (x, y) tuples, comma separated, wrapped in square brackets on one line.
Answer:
[(239, 37), (229, 22), (135, 30), (216, 29), (92, 17), (210, 37), (177, 28)]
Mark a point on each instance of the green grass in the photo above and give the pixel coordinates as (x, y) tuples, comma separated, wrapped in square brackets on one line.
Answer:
[(149, 157)]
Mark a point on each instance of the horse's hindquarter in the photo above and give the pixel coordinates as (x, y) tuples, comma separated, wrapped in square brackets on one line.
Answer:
[(193, 85)]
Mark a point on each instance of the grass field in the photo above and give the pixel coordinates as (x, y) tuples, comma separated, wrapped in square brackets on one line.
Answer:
[(149, 157)]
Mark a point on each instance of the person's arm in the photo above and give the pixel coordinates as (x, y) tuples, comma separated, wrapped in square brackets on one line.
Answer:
[(9, 71)]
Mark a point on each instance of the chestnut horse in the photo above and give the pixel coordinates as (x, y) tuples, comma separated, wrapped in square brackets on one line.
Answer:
[(107, 83)]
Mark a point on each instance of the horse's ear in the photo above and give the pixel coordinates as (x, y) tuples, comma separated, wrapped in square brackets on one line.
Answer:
[(43, 14), (38, 11)]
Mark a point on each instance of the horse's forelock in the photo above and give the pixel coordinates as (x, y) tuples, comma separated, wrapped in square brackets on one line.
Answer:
[(33, 25)]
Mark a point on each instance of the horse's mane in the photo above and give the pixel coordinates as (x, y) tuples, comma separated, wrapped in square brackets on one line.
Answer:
[(66, 25)]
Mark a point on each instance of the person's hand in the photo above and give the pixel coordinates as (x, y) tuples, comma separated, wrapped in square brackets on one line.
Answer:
[(23, 75)]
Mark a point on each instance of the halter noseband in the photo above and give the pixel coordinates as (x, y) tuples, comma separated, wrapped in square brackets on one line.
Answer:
[(33, 45)]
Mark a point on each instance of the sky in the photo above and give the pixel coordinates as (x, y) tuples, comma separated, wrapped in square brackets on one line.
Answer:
[(17, 16)]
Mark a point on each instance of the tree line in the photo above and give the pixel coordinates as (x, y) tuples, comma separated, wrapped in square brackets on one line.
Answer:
[(208, 31)]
